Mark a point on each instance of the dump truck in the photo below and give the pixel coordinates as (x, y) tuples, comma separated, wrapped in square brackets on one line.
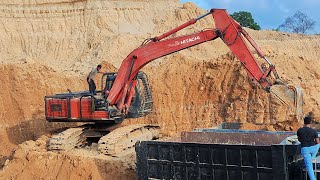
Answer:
[(223, 154)]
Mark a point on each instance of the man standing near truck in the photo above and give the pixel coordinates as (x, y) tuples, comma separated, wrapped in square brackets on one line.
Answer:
[(90, 77), (309, 145)]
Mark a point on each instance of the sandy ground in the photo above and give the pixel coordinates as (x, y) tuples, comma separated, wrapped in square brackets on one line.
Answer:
[(32, 161), (49, 46)]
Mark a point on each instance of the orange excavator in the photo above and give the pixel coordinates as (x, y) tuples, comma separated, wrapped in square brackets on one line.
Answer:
[(127, 93)]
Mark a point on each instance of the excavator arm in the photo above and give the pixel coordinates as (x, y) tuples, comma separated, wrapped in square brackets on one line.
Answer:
[(226, 28)]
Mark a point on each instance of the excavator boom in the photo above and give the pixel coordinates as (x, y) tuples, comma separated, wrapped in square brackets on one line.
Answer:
[(230, 32)]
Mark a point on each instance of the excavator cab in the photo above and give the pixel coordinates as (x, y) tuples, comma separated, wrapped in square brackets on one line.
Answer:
[(107, 81), (141, 102)]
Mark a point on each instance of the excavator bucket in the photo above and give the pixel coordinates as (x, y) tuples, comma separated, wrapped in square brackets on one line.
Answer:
[(290, 95)]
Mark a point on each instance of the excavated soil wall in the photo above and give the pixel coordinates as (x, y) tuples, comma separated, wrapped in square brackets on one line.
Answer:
[(23, 87), (49, 46)]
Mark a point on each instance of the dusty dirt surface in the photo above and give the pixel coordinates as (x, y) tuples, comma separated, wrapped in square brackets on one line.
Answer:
[(32, 161), (47, 46)]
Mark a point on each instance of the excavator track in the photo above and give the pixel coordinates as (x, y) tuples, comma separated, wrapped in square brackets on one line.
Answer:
[(67, 140), (124, 138)]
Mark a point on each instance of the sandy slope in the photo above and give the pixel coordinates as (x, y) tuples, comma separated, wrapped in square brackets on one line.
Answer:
[(33, 161), (49, 46)]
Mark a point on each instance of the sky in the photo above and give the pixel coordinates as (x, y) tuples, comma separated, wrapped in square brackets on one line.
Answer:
[(269, 14)]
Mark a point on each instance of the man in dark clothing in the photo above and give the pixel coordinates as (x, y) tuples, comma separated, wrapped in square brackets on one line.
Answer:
[(309, 145), (90, 77)]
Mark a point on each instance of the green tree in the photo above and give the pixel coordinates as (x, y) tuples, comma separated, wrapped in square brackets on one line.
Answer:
[(245, 19)]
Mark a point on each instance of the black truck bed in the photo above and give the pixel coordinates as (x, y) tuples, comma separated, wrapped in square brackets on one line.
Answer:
[(221, 154)]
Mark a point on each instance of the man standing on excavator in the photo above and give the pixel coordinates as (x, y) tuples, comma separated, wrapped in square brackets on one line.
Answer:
[(90, 77), (309, 145)]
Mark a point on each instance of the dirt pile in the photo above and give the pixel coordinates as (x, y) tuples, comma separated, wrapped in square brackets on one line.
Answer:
[(23, 87), (49, 46), (32, 161)]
